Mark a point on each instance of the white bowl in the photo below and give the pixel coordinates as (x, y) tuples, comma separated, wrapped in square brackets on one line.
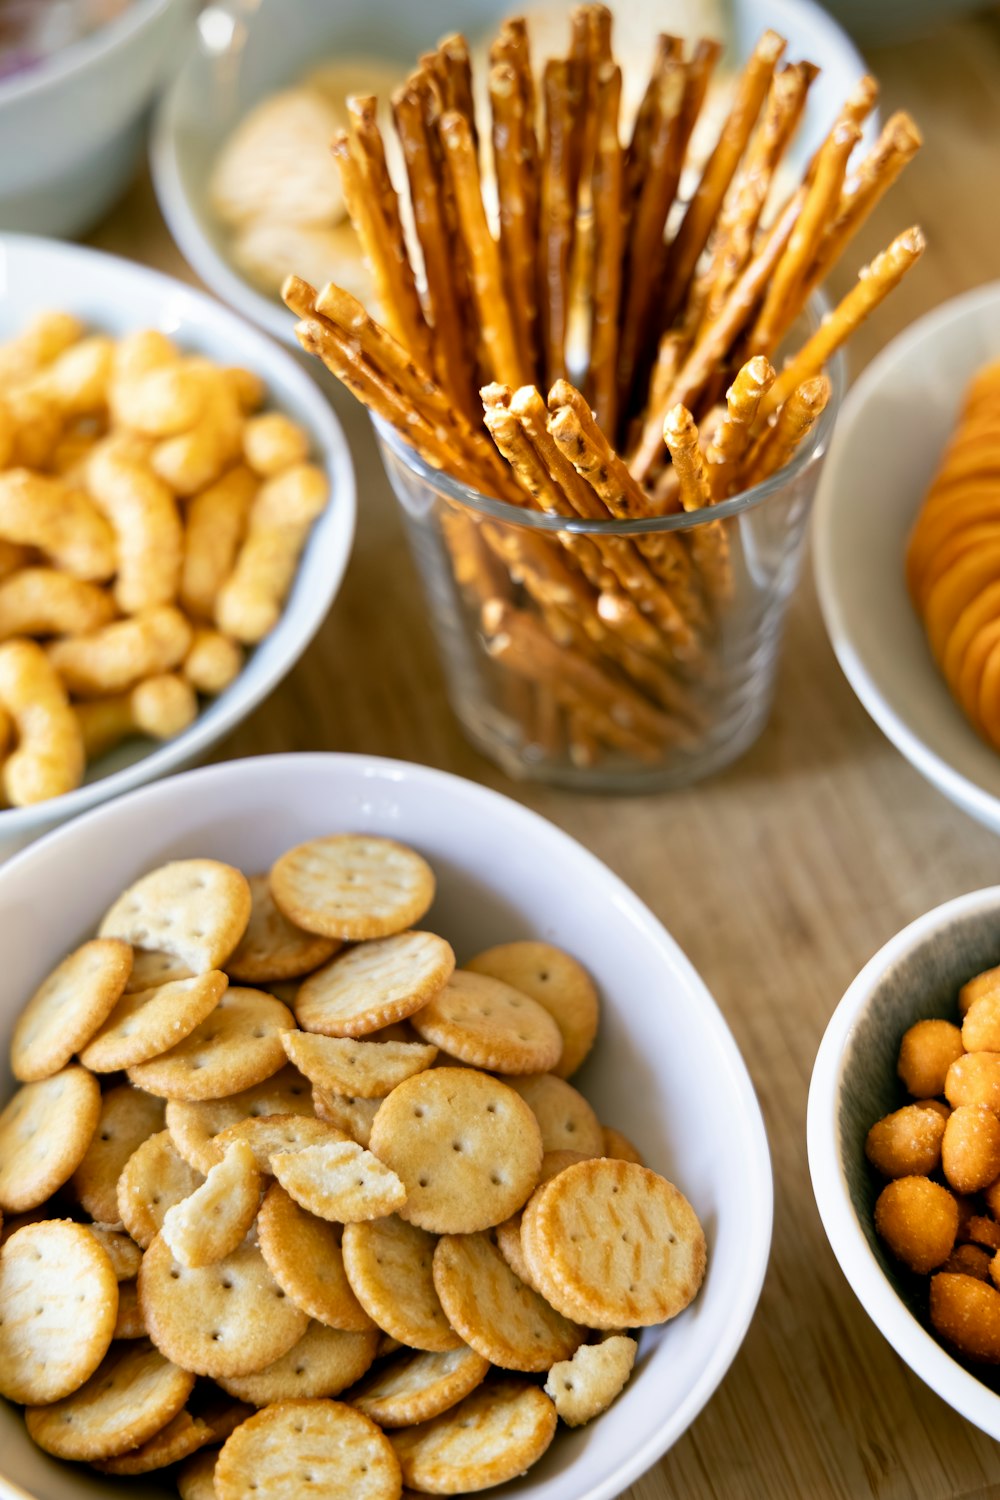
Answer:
[(665, 1070), (118, 295), (71, 129), (916, 975), (892, 430), (246, 49)]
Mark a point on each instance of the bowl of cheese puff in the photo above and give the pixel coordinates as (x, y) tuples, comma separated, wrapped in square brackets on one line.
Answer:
[(904, 1148), (176, 513)]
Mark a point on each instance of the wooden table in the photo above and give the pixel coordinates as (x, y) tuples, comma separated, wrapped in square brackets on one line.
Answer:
[(779, 878)]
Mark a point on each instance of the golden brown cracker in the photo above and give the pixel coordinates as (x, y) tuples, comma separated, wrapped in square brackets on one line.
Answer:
[(389, 1264), (273, 948), (586, 1385), (182, 1436), (151, 966), (236, 1046), (195, 909), (353, 886), (555, 980), (128, 1117), (419, 1386), (620, 1147), (195, 1127), (120, 1248), (130, 1323), (485, 1023), (146, 1023), (267, 1134), (213, 1220), (58, 1303), (45, 1130), (68, 1007), (375, 984), (364, 1070), (466, 1148), (195, 1477), (324, 1362), (344, 1454), (355, 1117), (508, 1234), (339, 1180), (154, 1178), (564, 1117), (493, 1435), (305, 1258)]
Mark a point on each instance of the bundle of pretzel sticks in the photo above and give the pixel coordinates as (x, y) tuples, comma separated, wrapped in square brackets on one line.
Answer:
[(670, 403)]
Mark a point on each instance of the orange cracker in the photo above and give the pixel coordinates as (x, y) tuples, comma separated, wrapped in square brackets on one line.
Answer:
[(305, 1258), (419, 1386), (273, 948), (352, 886), (146, 1023), (374, 984), (365, 1070), (344, 1454), (557, 982), (153, 1179), (236, 1046), (68, 1007), (324, 1362), (339, 1180), (486, 1023), (194, 1126), (195, 909), (45, 1130), (128, 1117), (389, 1266), (564, 1117), (493, 1435)]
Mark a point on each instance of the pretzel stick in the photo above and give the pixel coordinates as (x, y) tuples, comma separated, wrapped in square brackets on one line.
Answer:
[(794, 421), (454, 71), (731, 439), (899, 143), (875, 282), (719, 170), (715, 340), (452, 365), (854, 111), (511, 47), (668, 48), (478, 572), (584, 746), (493, 310), (659, 683), (556, 218), (786, 292), (608, 229), (516, 190), (709, 543), (595, 53), (546, 731)]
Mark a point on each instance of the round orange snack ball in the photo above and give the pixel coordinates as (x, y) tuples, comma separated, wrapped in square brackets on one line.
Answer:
[(926, 1053), (906, 1143), (970, 1150), (918, 1219), (966, 1312)]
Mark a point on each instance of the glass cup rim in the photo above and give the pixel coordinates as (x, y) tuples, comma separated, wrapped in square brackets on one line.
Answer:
[(515, 515)]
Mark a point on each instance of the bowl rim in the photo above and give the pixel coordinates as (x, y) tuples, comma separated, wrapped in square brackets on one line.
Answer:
[(916, 1347), (58, 69), (847, 641), (334, 453), (460, 790)]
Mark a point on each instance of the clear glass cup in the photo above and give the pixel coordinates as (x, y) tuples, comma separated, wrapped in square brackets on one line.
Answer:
[(522, 696)]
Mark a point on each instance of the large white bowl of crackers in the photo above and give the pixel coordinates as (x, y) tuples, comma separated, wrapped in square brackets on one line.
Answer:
[(176, 513), (297, 1194)]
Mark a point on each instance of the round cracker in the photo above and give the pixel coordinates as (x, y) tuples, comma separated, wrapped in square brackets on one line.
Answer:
[(270, 1134), (182, 1436), (564, 1117), (495, 1312), (300, 1447), (365, 1070), (556, 981), (324, 1362), (613, 1245), (132, 1394), (128, 1117), (495, 1434), (304, 1256), (355, 1117), (419, 1386), (154, 1178), (353, 886), (196, 1477), (45, 1130), (508, 1234), (466, 1148), (120, 1248), (238, 1045), (210, 1223), (195, 909), (195, 1126), (229, 1318), (389, 1265), (374, 984), (152, 967), (130, 1323), (620, 1147), (486, 1023), (273, 949), (146, 1023), (58, 1304), (68, 1007)]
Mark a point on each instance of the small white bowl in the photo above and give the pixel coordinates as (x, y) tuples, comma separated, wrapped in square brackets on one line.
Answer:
[(665, 1068), (892, 430), (71, 129), (116, 295), (244, 51), (916, 975)]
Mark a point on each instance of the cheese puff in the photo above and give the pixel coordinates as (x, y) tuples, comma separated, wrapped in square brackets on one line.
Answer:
[(969, 1260), (148, 533), (970, 1148), (216, 525), (76, 382), (162, 401), (212, 662), (918, 1219), (8, 435), (196, 458), (44, 601), (926, 1053), (60, 521), (49, 759), (143, 349), (250, 603), (159, 707), (45, 337), (122, 653), (974, 1079), (981, 1026), (273, 442), (966, 1312), (981, 984), (38, 427), (247, 387), (906, 1143), (69, 456)]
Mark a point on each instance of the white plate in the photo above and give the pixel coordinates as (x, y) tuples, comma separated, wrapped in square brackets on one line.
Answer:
[(665, 1069), (246, 49), (118, 295), (891, 433)]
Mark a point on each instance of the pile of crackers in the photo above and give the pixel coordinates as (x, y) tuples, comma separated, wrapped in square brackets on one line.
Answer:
[(271, 1147), (652, 320)]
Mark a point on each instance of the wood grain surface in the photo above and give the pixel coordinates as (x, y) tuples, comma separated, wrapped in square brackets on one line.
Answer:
[(779, 878)]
